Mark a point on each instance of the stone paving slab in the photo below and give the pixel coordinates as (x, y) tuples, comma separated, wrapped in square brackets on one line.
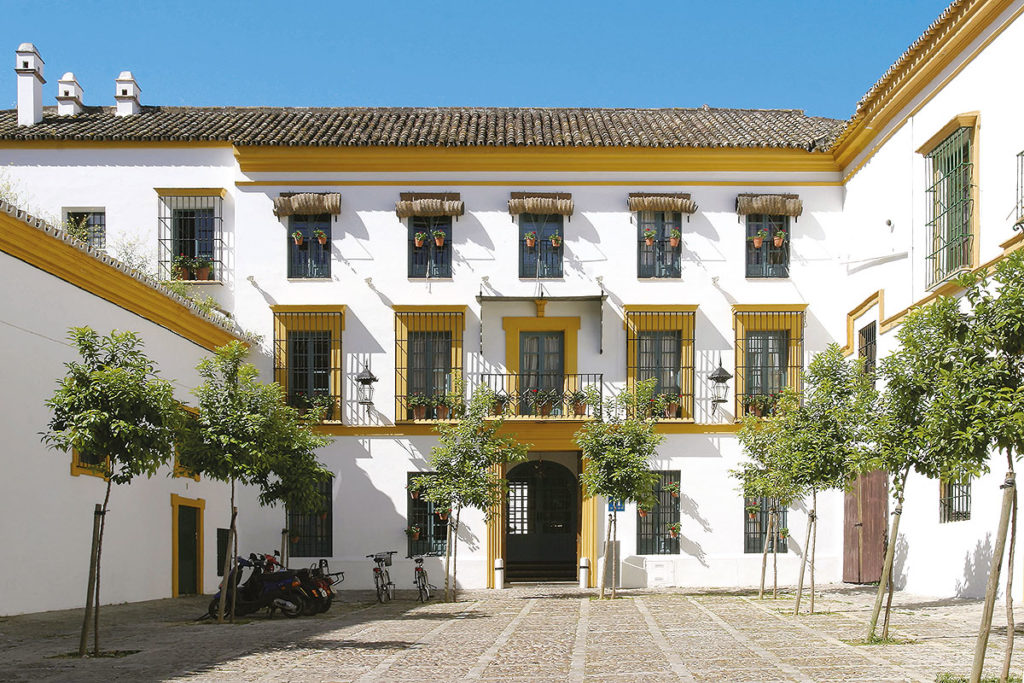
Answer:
[(529, 633)]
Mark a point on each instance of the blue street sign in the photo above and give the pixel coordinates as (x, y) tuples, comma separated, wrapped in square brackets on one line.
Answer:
[(616, 506)]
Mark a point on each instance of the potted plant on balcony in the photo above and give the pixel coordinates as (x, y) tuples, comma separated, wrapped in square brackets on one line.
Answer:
[(779, 237), (420, 239), (201, 268), (438, 236), (760, 405), (442, 409), (650, 234), (641, 512), (531, 239), (419, 404), (671, 403), (414, 489), (413, 532), (578, 399), (673, 238), (297, 236), (545, 400), (499, 403), (673, 529), (752, 511), (320, 236), (556, 240), (181, 267), (442, 514), (672, 487), (759, 237), (784, 532)]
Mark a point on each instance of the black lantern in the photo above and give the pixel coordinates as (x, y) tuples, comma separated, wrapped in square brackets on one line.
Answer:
[(719, 388), (364, 392)]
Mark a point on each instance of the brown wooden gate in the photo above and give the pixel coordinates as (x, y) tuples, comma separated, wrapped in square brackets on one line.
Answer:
[(864, 529)]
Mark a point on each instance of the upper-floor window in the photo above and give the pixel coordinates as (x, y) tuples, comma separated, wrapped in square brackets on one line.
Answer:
[(658, 234), (767, 245), (653, 530), (949, 205), (954, 500), (307, 355), (659, 346), (428, 358), (769, 356), (540, 245), (756, 516), (89, 226), (867, 347), (309, 246), (311, 534), (191, 241), (430, 246)]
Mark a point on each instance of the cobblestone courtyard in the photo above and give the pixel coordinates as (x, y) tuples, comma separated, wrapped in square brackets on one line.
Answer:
[(538, 633)]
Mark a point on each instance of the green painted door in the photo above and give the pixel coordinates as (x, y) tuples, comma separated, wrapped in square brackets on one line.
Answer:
[(188, 550)]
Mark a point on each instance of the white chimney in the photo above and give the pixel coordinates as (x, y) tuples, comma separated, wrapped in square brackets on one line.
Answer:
[(127, 94), (69, 95), (29, 67)]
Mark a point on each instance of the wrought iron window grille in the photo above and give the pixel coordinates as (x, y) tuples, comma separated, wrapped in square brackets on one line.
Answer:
[(311, 534), (422, 514), (767, 260), (430, 260), (659, 345), (310, 259), (867, 342), (543, 259), (769, 357), (652, 533), (954, 501), (949, 207), (660, 258), (191, 229), (308, 359), (428, 358), (93, 224), (755, 525)]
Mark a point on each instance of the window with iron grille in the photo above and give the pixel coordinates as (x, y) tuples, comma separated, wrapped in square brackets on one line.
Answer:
[(659, 346), (428, 357), (866, 348), (309, 259), (954, 501), (1019, 218), (430, 260), (755, 525), (191, 229), (222, 549), (949, 206), (768, 260), (659, 259), (307, 357), (769, 356), (311, 533), (652, 534), (92, 224), (543, 259), (433, 538)]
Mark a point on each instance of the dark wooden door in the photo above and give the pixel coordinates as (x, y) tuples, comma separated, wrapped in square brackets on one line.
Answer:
[(188, 550), (865, 526), (541, 514)]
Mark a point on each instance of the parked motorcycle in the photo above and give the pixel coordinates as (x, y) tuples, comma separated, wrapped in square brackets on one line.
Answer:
[(317, 582), (275, 590)]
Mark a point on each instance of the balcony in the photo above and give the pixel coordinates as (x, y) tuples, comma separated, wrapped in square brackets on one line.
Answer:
[(555, 396)]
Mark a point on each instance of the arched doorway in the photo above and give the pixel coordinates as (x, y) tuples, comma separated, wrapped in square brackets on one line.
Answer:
[(541, 515)]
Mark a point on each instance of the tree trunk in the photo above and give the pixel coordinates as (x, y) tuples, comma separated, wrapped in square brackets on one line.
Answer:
[(90, 590), (455, 556), (803, 561), (993, 579), (889, 552), (1011, 626), (764, 557), (234, 548), (229, 562), (814, 543), (888, 608), (607, 550), (448, 561), (615, 553), (775, 556), (99, 554)]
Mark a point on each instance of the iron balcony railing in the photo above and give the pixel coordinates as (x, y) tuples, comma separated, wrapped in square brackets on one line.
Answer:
[(546, 395)]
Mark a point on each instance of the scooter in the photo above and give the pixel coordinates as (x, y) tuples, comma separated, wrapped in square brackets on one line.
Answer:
[(279, 590), (317, 582)]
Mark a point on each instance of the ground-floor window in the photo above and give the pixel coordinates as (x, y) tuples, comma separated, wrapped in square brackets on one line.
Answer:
[(653, 535), (311, 533), (954, 501), (427, 532), (755, 520)]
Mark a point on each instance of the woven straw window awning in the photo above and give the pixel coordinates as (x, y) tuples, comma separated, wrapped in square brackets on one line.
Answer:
[(771, 204), (429, 204), (541, 202), (662, 201), (307, 204)]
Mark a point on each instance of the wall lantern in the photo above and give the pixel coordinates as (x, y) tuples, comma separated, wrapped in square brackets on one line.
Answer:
[(364, 392), (720, 388)]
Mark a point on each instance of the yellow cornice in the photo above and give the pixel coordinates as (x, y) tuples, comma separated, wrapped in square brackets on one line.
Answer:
[(766, 308), (308, 308), (539, 183), (658, 308), (967, 120), (442, 159), (191, 192), (64, 261), (425, 308)]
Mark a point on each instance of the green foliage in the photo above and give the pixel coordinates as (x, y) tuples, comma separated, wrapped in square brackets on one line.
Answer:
[(246, 432), (618, 447), (112, 403)]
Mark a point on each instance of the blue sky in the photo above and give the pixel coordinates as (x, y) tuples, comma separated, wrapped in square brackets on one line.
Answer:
[(820, 56)]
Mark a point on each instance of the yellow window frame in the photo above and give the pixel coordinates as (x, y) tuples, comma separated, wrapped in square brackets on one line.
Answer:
[(295, 318), (407, 319), (200, 504), (785, 318), (79, 468), (673, 318)]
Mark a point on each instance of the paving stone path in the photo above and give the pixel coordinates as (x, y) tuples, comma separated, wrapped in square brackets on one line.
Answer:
[(530, 633)]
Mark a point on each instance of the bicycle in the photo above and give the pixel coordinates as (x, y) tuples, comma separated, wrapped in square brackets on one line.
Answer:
[(381, 577), (421, 581)]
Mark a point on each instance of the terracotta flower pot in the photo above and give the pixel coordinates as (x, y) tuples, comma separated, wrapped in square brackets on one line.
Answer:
[(674, 241), (443, 412), (298, 241), (321, 240), (758, 241), (531, 243), (419, 243), (579, 408), (439, 241), (295, 539), (556, 243), (414, 494), (751, 515), (203, 273), (497, 408), (443, 516), (184, 274), (675, 494), (415, 536), (419, 412), (673, 534), (544, 410), (671, 409), (641, 512), (649, 241), (778, 241)]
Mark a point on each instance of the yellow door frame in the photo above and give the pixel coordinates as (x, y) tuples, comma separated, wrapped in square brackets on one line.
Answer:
[(200, 504)]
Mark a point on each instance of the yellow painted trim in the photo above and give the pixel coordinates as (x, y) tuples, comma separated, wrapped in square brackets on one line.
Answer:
[(541, 305), (745, 319), (191, 192), (588, 532), (260, 159), (416, 308), (967, 120), (292, 318), (658, 308), (680, 318), (200, 504), (878, 298), (78, 468), (761, 308), (56, 257), (568, 325), (495, 530), (311, 308), (539, 183)]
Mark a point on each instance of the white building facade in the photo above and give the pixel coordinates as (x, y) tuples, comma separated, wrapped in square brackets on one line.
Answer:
[(416, 263)]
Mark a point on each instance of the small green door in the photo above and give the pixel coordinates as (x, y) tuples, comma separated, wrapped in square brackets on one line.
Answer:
[(188, 550), (541, 369)]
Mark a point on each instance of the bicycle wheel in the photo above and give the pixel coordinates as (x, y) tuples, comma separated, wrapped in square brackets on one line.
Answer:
[(389, 588), (378, 580), (424, 586)]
